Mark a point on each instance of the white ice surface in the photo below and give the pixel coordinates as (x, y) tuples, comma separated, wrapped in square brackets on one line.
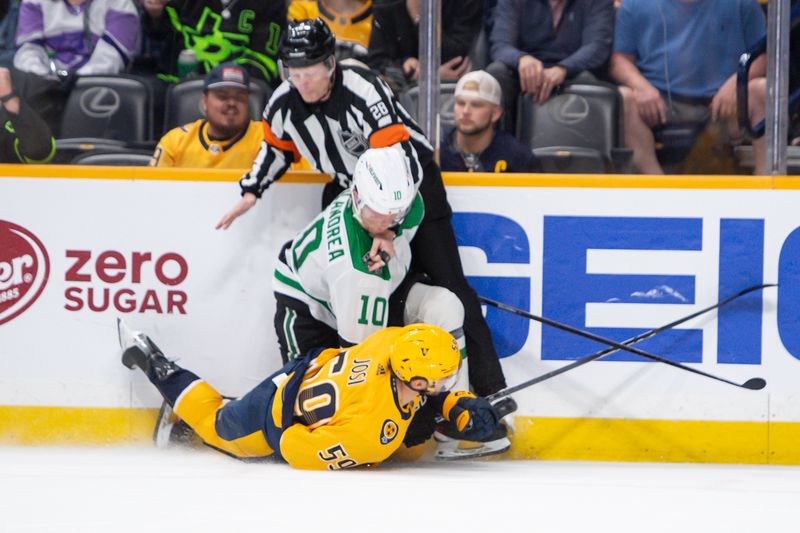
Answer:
[(118, 490)]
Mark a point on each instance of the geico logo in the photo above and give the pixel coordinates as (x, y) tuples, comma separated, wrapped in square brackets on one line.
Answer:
[(13, 272), (591, 267), (113, 267)]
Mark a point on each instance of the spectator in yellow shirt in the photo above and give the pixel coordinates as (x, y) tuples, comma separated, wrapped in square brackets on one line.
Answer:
[(226, 138), (350, 21)]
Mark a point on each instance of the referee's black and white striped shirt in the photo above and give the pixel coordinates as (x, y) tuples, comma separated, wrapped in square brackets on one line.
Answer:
[(361, 113)]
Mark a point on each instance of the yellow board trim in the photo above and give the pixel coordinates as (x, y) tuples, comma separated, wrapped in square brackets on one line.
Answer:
[(144, 173), (689, 441), (541, 438), (65, 426), (603, 181)]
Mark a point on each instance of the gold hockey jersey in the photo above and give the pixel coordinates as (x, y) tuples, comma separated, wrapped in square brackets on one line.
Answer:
[(351, 30), (347, 412), (190, 146)]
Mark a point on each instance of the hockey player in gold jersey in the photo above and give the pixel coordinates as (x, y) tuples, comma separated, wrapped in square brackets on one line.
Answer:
[(331, 409)]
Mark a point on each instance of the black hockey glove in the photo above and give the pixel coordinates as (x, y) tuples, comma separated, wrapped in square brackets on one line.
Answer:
[(368, 260), (474, 418)]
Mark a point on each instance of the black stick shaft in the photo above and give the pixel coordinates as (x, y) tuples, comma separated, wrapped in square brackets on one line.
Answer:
[(613, 345)]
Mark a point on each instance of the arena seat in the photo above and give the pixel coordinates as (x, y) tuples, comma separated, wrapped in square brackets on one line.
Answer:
[(410, 102), (580, 128), (183, 102), (577, 160), (105, 112), (122, 158), (746, 160), (674, 142), (479, 52), (108, 107)]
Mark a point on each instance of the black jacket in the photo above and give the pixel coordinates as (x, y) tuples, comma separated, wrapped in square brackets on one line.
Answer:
[(249, 36), (395, 38), (24, 138)]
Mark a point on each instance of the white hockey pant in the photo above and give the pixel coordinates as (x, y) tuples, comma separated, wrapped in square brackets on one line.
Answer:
[(438, 306)]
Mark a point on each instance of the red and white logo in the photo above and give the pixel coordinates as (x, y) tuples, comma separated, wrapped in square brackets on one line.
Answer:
[(24, 269)]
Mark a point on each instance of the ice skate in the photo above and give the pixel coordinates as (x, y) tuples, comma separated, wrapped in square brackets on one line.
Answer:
[(171, 431), (141, 352), (450, 448)]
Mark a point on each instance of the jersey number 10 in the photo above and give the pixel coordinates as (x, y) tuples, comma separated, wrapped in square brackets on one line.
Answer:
[(379, 306)]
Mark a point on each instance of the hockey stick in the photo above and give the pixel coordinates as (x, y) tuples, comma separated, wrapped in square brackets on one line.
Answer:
[(753, 384)]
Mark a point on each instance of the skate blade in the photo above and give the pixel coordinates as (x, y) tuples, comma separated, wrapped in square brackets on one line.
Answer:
[(129, 337), (164, 424), (126, 336), (472, 450)]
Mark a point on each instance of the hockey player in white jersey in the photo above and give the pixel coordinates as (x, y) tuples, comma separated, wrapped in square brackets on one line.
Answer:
[(347, 274), (333, 281)]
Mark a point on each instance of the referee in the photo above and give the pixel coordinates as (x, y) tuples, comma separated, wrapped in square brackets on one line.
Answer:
[(330, 114)]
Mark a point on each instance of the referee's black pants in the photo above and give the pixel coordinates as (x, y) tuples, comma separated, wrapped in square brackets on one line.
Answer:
[(435, 252)]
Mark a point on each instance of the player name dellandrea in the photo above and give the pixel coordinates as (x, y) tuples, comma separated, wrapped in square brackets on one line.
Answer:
[(334, 229)]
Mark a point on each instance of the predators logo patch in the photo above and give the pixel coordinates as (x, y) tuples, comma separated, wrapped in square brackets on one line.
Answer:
[(388, 431)]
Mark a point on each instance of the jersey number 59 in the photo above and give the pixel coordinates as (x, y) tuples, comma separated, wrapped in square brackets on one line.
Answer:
[(336, 457)]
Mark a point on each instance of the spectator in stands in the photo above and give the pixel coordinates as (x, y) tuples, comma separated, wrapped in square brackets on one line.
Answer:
[(226, 138), (246, 32), (349, 20), (76, 37), (9, 14), (536, 45), (676, 63), (475, 144), (24, 136), (488, 15), (394, 41)]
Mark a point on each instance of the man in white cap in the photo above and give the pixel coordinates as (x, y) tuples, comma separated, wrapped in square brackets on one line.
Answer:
[(475, 144)]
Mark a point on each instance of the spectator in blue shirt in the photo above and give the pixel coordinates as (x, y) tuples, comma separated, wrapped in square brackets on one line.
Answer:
[(475, 145), (536, 45), (676, 62)]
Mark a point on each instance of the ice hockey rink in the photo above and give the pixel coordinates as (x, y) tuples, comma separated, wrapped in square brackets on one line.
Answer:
[(140, 489)]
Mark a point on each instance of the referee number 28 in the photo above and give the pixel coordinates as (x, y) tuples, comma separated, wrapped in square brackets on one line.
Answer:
[(377, 311), (378, 110)]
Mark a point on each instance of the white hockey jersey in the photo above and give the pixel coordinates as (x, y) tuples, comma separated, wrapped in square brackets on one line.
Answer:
[(323, 267)]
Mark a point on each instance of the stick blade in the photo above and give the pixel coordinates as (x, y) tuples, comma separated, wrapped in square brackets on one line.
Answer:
[(754, 384)]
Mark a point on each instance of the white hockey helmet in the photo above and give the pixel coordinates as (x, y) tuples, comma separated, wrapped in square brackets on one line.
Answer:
[(382, 181)]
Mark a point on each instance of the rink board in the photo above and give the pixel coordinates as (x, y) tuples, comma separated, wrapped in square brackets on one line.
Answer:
[(613, 254)]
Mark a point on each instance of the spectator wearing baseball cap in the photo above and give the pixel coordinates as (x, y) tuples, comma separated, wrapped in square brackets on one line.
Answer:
[(476, 144), (226, 137)]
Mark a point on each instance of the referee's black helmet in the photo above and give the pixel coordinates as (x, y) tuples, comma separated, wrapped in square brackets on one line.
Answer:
[(306, 42)]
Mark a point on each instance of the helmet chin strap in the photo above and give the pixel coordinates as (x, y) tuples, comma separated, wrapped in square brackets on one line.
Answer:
[(356, 207)]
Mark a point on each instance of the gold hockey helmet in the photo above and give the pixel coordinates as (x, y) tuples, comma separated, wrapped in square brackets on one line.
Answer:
[(426, 352)]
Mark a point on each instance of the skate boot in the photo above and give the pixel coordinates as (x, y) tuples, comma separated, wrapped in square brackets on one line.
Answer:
[(451, 448), (139, 351), (171, 431)]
